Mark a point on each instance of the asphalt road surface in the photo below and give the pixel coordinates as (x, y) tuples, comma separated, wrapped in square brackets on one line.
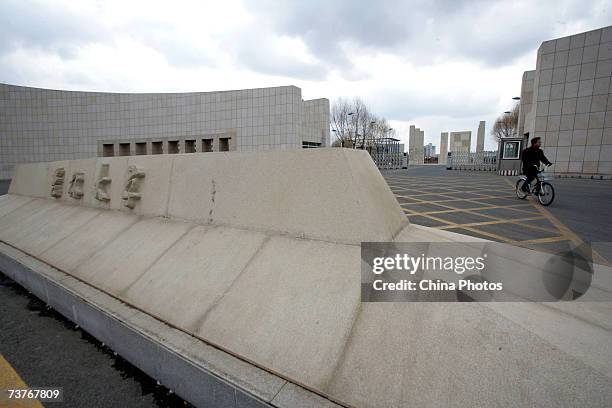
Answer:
[(483, 204), (46, 350)]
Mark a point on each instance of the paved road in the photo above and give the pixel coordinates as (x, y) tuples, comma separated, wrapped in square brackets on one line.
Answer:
[(483, 204), (47, 350)]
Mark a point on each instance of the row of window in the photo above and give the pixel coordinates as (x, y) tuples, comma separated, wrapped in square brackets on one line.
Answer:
[(173, 147)]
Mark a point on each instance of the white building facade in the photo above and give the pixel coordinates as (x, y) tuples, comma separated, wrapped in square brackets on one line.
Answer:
[(567, 101), (45, 125)]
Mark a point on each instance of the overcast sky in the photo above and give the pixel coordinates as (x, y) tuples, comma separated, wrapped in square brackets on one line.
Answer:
[(441, 65)]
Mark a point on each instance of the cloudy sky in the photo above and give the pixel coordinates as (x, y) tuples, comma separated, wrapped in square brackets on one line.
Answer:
[(441, 65)]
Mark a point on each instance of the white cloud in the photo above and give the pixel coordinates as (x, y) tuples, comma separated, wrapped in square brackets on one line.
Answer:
[(441, 65)]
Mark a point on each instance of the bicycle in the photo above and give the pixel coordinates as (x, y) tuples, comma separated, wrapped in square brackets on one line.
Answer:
[(540, 188)]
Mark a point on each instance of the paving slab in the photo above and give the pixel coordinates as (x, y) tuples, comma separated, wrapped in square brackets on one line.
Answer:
[(40, 233), (120, 263), (204, 264), (9, 203), (458, 345), (76, 248), (292, 308)]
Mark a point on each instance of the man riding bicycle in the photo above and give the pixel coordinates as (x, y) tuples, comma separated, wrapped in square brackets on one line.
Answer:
[(532, 156)]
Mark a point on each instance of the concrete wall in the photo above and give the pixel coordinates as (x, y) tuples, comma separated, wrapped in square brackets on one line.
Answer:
[(42, 124), (416, 139), (233, 249), (220, 189), (526, 120), (572, 102), (315, 122), (480, 137), (460, 141), (443, 148)]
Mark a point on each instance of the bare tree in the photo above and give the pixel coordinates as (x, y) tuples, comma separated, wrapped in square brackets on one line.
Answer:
[(506, 125), (340, 121), (354, 125)]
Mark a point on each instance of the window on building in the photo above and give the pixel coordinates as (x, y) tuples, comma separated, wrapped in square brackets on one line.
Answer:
[(108, 150), (207, 145), (310, 145), (190, 146), (512, 150), (157, 147), (124, 149), (173, 146), (224, 144), (141, 148)]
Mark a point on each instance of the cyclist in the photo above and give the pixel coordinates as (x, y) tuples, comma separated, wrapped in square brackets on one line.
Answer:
[(532, 156)]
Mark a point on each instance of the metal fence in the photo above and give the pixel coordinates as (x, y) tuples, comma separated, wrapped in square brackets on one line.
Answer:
[(482, 161)]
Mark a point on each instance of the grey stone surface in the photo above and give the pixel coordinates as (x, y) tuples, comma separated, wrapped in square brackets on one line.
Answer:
[(442, 158), (480, 139), (290, 304), (579, 84), (77, 123)]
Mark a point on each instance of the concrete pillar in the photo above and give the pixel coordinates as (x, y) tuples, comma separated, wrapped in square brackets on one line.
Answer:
[(411, 143), (443, 148), (480, 137), (416, 138), (421, 147)]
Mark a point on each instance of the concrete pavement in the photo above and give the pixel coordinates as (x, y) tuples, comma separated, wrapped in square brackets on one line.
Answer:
[(483, 204)]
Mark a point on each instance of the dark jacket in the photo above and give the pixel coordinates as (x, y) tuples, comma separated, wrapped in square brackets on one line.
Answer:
[(533, 156)]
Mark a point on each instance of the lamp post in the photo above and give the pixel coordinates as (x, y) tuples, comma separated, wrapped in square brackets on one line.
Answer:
[(387, 141), (355, 132), (372, 123), (336, 132)]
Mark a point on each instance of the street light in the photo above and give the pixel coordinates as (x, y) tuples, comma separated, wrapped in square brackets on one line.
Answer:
[(351, 114), (341, 141)]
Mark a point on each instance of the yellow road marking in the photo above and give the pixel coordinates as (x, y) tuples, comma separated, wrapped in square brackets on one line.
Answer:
[(486, 216), (546, 240), (488, 234), (566, 231), (447, 222), (447, 191), (476, 224), (490, 207), (9, 379)]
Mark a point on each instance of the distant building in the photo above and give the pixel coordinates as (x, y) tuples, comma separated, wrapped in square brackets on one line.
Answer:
[(430, 150)]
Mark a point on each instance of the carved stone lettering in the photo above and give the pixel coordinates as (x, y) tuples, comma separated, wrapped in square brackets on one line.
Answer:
[(57, 187), (76, 185), (103, 184), (131, 192)]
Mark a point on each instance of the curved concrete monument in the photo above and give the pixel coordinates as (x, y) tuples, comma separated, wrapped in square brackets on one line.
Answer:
[(246, 266)]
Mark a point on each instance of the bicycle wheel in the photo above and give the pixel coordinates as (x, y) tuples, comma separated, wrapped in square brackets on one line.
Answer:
[(546, 195), (519, 189)]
